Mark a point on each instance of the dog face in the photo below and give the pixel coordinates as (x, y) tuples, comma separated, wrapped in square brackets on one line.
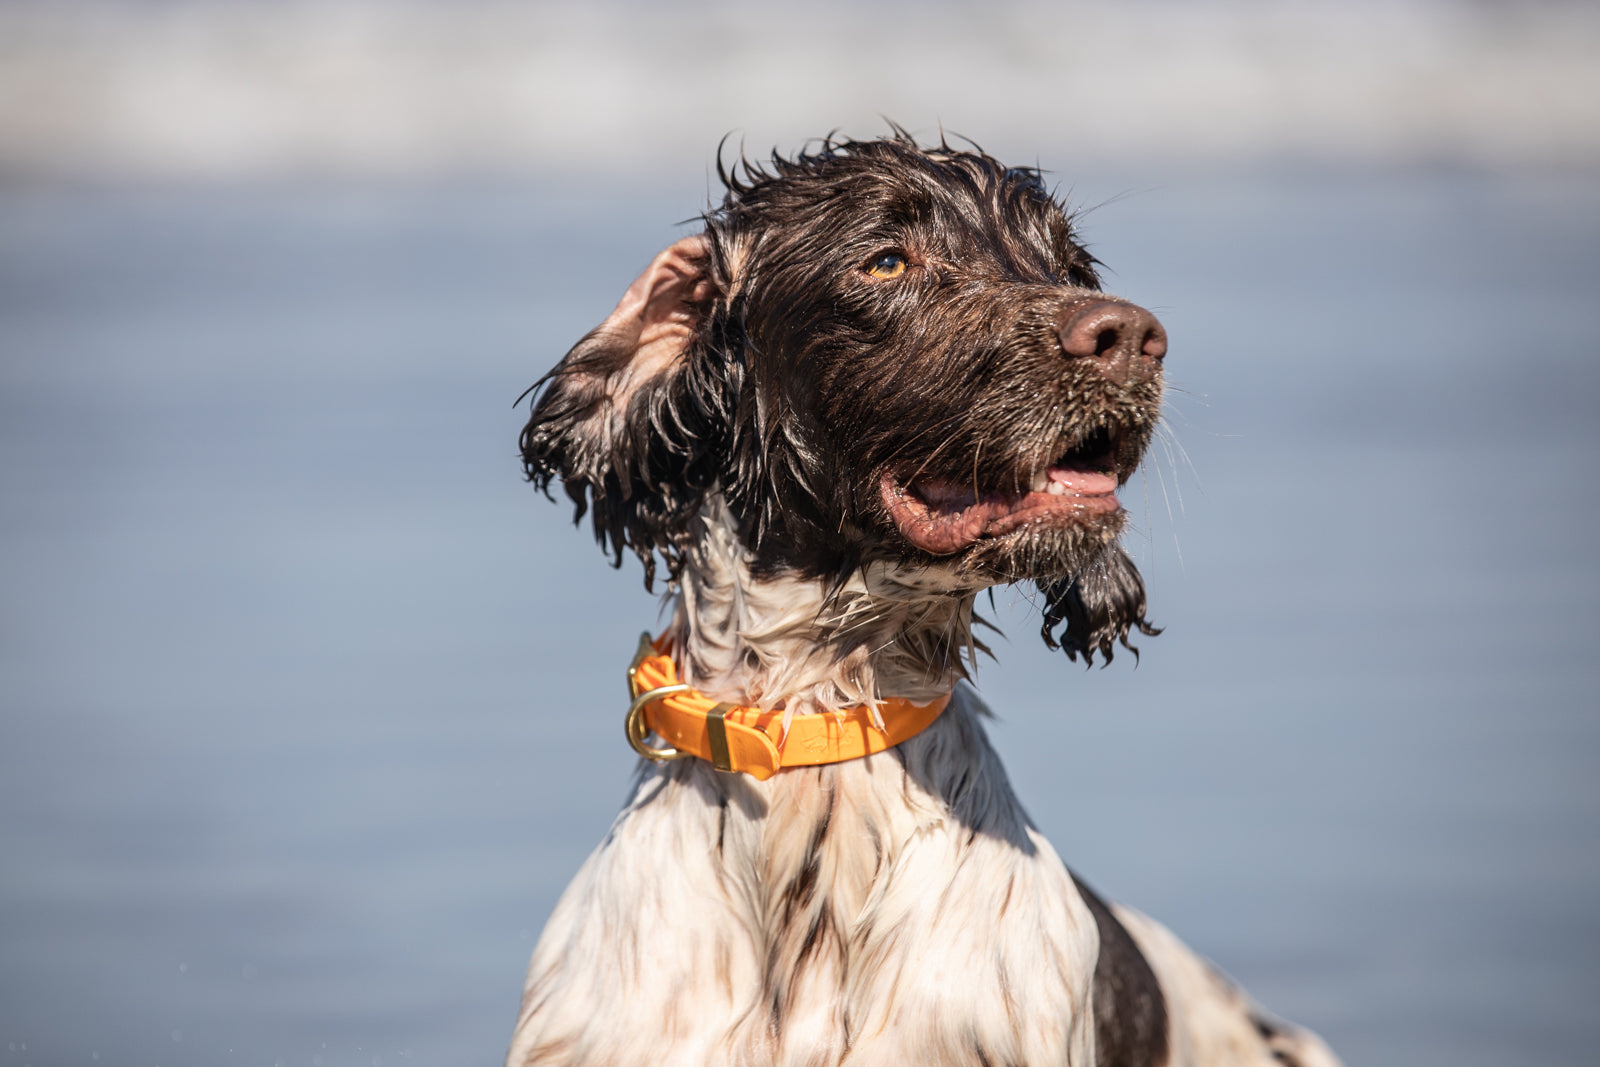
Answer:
[(875, 353)]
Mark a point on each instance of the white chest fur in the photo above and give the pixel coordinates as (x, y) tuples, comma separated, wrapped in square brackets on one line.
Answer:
[(893, 909)]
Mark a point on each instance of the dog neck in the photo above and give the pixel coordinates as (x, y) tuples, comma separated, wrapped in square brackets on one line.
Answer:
[(809, 645)]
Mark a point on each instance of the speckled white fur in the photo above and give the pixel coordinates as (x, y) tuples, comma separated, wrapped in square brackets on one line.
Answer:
[(897, 909), (690, 936)]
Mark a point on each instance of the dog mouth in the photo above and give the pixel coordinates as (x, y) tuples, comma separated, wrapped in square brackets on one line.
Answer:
[(943, 516)]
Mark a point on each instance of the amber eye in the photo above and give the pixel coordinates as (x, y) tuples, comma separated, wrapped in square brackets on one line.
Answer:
[(888, 265)]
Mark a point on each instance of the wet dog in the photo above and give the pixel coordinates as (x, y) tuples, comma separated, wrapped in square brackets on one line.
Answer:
[(881, 379)]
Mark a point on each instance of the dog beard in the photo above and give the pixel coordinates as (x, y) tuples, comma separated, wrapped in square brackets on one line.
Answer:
[(1043, 553)]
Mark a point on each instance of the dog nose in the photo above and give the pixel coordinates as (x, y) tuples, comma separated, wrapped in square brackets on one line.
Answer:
[(1125, 338)]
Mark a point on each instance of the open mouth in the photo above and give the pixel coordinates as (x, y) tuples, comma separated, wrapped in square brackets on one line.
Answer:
[(943, 516)]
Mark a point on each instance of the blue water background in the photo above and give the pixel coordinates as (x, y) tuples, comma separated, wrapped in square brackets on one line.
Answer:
[(309, 708)]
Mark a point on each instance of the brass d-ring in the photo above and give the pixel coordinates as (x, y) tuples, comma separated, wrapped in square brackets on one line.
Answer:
[(634, 725), (636, 728)]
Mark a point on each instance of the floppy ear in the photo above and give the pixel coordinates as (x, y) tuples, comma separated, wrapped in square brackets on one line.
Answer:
[(1100, 604), (632, 418)]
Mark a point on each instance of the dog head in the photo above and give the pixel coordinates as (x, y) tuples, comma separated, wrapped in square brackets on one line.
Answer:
[(875, 353)]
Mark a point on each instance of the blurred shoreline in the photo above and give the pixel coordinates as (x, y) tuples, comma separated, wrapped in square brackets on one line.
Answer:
[(196, 91)]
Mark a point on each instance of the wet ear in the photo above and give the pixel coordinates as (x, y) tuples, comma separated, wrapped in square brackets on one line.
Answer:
[(629, 420), (1100, 604)]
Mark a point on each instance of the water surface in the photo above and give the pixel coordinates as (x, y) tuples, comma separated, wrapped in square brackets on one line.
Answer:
[(308, 707)]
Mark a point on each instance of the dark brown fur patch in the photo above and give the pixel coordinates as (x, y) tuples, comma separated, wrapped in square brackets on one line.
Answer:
[(1130, 1014)]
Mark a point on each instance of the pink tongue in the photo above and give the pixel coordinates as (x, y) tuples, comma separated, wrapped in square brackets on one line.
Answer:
[(1088, 483)]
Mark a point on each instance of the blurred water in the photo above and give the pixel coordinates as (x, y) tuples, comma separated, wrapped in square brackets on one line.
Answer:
[(196, 89), (309, 706)]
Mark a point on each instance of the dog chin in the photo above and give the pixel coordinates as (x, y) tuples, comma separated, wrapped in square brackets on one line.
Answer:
[(1039, 551)]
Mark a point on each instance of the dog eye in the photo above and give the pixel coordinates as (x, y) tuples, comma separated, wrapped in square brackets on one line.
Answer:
[(888, 265)]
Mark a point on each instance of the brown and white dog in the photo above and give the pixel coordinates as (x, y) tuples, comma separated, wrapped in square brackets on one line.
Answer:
[(882, 379)]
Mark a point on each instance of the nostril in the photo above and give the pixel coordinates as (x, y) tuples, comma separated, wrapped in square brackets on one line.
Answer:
[(1105, 341), (1155, 342)]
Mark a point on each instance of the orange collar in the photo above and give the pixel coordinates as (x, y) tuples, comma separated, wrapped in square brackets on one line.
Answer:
[(751, 740)]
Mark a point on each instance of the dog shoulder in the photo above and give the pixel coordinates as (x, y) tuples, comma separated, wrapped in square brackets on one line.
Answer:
[(1212, 1022)]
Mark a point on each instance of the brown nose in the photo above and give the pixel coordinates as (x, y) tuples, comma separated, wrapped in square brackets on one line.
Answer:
[(1125, 338)]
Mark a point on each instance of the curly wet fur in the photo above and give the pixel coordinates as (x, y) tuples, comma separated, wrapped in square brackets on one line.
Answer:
[(749, 418), (790, 355)]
